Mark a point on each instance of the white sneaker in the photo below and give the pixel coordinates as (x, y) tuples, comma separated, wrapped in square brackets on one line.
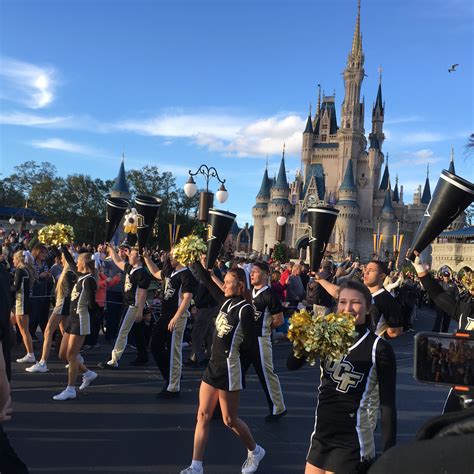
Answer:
[(253, 460), (38, 367), (66, 394), (28, 359), (80, 359), (87, 378), (191, 470)]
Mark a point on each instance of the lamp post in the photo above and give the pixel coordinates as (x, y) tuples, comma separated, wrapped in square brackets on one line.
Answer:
[(281, 228), (206, 198)]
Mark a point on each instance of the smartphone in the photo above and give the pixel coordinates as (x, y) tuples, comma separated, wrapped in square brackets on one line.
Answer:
[(444, 359)]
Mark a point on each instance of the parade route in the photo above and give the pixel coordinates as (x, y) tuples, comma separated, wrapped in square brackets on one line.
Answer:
[(117, 425)]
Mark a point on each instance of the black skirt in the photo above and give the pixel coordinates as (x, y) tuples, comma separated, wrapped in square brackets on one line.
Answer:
[(224, 375), (79, 325)]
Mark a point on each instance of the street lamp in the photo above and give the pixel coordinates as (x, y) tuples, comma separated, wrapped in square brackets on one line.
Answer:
[(206, 198), (33, 222), (281, 228), (12, 220)]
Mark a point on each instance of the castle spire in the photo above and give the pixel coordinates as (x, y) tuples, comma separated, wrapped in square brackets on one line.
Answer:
[(387, 211), (451, 162), (318, 108), (120, 187), (309, 124), (281, 181), (378, 101), (348, 182), (396, 196), (426, 196), (357, 39), (265, 186), (384, 184)]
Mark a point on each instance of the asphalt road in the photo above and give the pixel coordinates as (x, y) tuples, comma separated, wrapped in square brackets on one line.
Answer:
[(117, 425)]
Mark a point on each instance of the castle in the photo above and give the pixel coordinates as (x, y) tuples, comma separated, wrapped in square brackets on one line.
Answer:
[(339, 170)]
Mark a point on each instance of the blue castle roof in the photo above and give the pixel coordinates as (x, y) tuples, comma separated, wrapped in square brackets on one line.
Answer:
[(349, 183), (120, 184)]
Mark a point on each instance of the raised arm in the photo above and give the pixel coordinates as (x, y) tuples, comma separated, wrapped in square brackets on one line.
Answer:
[(115, 258), (205, 279), (69, 259), (332, 289)]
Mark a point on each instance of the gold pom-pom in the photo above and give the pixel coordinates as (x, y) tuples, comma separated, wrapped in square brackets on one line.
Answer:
[(56, 234), (189, 249), (322, 336)]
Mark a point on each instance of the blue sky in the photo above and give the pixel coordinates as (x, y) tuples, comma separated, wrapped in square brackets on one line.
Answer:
[(223, 82)]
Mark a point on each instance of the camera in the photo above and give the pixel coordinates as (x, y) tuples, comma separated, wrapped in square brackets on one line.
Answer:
[(445, 359)]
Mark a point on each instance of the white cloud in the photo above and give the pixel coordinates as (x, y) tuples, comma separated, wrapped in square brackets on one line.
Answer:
[(69, 147), (33, 120), (229, 134), (399, 120), (31, 85), (419, 157), (422, 137)]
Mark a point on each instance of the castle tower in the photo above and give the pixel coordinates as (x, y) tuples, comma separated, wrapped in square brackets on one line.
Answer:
[(346, 224), (308, 138), (259, 212), (120, 188), (279, 204), (384, 184), (388, 221), (396, 197)]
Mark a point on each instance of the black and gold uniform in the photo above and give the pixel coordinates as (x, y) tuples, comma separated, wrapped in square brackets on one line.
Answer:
[(234, 322), (167, 346), (82, 305), (343, 434), (266, 304), (21, 288), (63, 305)]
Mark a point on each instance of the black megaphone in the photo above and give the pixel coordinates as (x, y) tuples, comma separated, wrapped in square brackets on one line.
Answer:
[(218, 228), (147, 209), (115, 208)]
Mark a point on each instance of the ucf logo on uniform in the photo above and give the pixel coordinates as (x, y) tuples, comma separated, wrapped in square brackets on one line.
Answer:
[(169, 290), (128, 283), (74, 294), (256, 313), (343, 373), (470, 324), (222, 325)]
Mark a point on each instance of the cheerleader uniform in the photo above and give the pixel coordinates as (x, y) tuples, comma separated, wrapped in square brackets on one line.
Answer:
[(266, 304), (234, 323), (63, 305), (343, 435), (21, 288), (82, 303)]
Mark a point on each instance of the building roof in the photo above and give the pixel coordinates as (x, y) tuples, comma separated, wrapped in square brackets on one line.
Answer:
[(260, 205), (378, 100), (317, 171), (387, 210), (348, 184), (265, 186), (461, 233), (235, 229), (385, 178), (326, 145), (280, 201), (345, 202), (19, 212), (309, 125), (330, 107), (451, 163), (281, 181), (120, 184), (396, 196), (426, 196)]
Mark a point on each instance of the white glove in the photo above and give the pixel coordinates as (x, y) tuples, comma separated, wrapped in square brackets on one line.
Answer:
[(419, 266)]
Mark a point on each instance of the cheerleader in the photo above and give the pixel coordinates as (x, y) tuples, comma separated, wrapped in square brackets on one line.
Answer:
[(60, 315), (222, 380), (22, 282), (343, 436), (82, 305)]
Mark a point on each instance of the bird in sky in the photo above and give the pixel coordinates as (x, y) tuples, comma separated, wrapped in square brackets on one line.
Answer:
[(453, 68)]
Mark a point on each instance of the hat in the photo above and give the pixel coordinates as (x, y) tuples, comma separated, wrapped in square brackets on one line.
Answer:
[(446, 273), (262, 266)]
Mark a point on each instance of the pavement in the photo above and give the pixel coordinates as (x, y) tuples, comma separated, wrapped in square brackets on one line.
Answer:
[(118, 426)]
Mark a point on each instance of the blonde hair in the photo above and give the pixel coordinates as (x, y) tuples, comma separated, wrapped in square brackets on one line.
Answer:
[(61, 285), (19, 256), (89, 263)]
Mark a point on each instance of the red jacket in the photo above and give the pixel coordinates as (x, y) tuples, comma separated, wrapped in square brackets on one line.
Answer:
[(102, 285)]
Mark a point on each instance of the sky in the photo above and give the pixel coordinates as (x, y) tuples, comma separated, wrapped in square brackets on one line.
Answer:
[(177, 83)]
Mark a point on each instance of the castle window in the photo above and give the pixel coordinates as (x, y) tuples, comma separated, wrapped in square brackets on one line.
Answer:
[(324, 138), (363, 175), (324, 126), (348, 124)]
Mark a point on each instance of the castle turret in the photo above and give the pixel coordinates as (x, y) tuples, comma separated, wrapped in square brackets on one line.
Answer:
[(259, 212), (346, 224), (279, 204), (396, 197), (385, 178), (388, 220), (120, 188)]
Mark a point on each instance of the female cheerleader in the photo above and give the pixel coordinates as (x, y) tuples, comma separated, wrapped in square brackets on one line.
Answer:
[(22, 283), (343, 437), (222, 380), (60, 315), (82, 305)]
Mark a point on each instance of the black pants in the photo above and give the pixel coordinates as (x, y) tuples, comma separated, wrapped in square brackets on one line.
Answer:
[(161, 346), (96, 323), (39, 310), (139, 334), (442, 322), (112, 314), (10, 463)]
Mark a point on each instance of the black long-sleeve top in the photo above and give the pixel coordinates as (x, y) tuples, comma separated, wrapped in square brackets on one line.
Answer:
[(461, 310), (346, 385)]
